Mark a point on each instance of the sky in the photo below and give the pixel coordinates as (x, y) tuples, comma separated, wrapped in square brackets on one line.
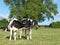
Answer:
[(4, 12)]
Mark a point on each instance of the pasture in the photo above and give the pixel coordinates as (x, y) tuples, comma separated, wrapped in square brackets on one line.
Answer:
[(42, 36)]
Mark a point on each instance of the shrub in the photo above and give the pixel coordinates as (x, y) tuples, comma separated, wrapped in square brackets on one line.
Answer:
[(55, 25)]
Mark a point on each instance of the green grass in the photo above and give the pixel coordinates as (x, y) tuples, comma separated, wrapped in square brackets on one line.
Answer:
[(42, 36)]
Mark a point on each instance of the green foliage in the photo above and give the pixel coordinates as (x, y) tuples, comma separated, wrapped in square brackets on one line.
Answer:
[(32, 9), (55, 25), (3, 23)]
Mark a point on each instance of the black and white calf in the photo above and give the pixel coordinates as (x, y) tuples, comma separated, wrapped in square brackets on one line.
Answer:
[(27, 24), (15, 25)]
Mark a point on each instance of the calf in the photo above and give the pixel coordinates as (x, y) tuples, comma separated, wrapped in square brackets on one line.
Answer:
[(27, 23), (15, 25)]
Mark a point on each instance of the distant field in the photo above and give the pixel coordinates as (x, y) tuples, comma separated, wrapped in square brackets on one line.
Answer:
[(42, 36)]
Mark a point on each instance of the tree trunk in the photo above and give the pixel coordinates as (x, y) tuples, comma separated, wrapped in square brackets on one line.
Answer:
[(36, 24)]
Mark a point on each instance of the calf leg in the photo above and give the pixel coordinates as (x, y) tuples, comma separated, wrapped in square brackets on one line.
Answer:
[(30, 33), (27, 33), (5, 29), (20, 33), (10, 34), (14, 35)]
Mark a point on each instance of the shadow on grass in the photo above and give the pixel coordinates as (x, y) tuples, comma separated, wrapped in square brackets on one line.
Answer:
[(7, 37), (23, 37)]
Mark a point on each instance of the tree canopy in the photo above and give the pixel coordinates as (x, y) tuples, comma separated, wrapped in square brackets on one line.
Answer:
[(37, 10)]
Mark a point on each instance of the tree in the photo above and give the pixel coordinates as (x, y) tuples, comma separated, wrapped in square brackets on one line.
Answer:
[(38, 10), (3, 23)]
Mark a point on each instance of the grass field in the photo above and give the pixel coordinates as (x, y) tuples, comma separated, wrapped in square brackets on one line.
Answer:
[(42, 36)]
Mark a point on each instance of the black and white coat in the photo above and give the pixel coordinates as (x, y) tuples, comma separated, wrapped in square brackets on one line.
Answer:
[(15, 25)]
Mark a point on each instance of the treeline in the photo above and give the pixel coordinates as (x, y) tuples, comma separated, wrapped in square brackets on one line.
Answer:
[(3, 23), (55, 25), (52, 25)]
